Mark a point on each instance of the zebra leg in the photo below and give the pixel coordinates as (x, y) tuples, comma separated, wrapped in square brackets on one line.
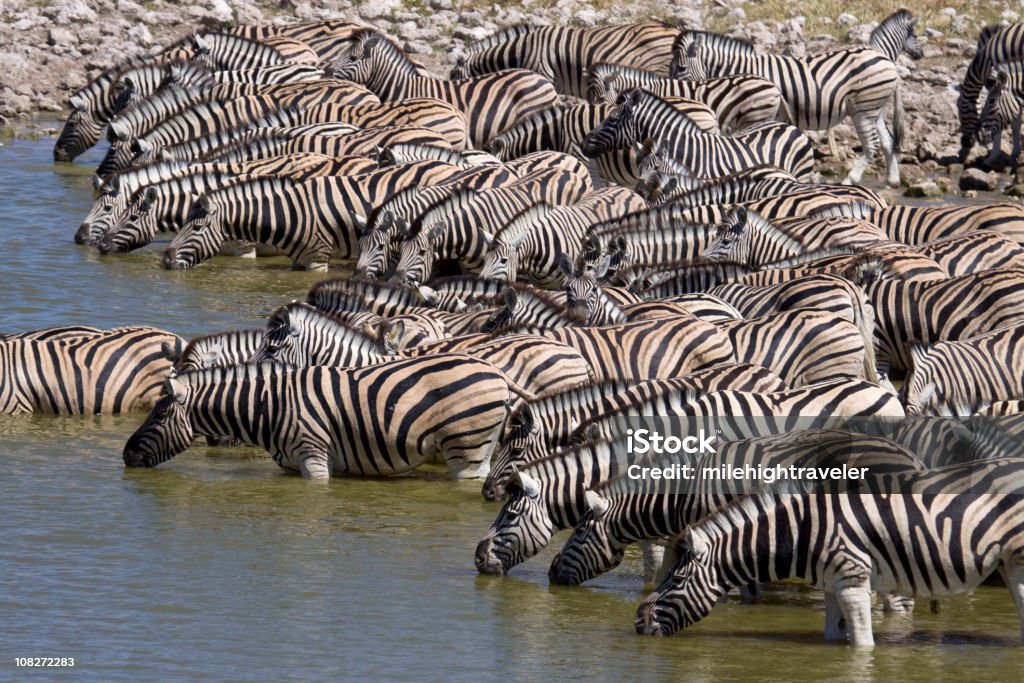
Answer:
[(314, 463), (855, 602), (654, 558), (668, 561), (997, 148), (867, 131), (835, 621), (751, 593), (1012, 571), (1016, 142), (897, 604), (892, 160), (832, 148)]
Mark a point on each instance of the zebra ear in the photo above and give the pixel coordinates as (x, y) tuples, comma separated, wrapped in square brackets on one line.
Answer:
[(691, 544), (510, 298), (150, 195), (601, 269), (169, 352), (358, 223), (403, 227), (529, 485), (177, 390), (200, 43), (141, 146), (371, 40), (114, 184), (488, 238), (203, 202), (598, 503), (393, 334), (97, 183), (1002, 75), (565, 264)]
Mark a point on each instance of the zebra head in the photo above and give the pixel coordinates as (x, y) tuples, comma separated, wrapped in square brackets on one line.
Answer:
[(686, 596), (522, 529), (133, 227), (661, 176), (923, 393), (604, 83), (280, 340), (125, 92), (417, 253), (591, 550), (81, 131), (689, 58), (199, 239), (119, 154), (523, 435), (732, 243), (501, 262), (1001, 107), (167, 430), (580, 285), (616, 131), (101, 214), (896, 34), (357, 63), (375, 247)]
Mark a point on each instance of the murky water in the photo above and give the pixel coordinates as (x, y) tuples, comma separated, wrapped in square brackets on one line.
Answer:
[(217, 566)]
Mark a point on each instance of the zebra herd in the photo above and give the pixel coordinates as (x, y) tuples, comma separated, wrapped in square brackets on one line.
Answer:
[(578, 227)]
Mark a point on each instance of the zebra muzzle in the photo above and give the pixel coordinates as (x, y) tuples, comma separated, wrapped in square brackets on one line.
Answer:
[(170, 260), (485, 561), (647, 621)]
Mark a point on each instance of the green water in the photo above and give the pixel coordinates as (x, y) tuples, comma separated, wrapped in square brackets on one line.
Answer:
[(217, 566)]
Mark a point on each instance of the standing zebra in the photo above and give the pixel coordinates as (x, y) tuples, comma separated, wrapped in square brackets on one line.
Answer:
[(824, 89), (738, 101), (379, 420), (935, 533), (641, 115), (111, 371), (996, 45), (492, 103), (562, 54), (1002, 109)]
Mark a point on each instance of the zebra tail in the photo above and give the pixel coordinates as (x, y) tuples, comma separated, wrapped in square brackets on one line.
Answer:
[(897, 118), (787, 113), (867, 330)]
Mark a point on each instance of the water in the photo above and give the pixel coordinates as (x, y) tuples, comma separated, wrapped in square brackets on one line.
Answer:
[(218, 566)]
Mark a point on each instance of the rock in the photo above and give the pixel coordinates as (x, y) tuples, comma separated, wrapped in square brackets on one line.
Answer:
[(140, 35), (587, 17), (470, 35), (73, 11), (471, 19), (378, 8), (61, 36), (1015, 190), (976, 179), (970, 194), (846, 20), (414, 47), (924, 189), (220, 11), (247, 13)]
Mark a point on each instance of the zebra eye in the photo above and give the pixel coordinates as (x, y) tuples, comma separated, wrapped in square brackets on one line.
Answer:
[(512, 515)]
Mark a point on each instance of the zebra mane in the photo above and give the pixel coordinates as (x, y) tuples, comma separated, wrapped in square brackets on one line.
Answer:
[(233, 42), (741, 219), (233, 373), (372, 291), (646, 100), (403, 198), (159, 104), (715, 41), (566, 452), (304, 312), (855, 209), (698, 275), (469, 285), (549, 117), (198, 345), (411, 151), (442, 209), (522, 223), (651, 219), (807, 257), (500, 37)]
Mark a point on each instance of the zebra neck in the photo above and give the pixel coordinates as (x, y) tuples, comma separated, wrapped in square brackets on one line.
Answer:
[(235, 407), (764, 546)]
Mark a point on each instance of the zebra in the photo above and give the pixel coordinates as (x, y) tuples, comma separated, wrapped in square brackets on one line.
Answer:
[(544, 496), (492, 103), (218, 350), (738, 101), (821, 90), (536, 427), (300, 335), (1001, 110), (664, 179), (61, 333), (389, 155), (563, 54), (932, 534), (381, 232), (917, 225), (623, 511), (192, 74), (454, 227), (984, 368), (973, 252), (527, 247), (321, 421), (71, 373), (996, 45), (646, 237), (747, 238), (641, 115), (310, 221), (646, 349), (941, 310), (229, 52)]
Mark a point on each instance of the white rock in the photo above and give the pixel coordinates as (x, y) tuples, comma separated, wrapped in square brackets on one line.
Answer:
[(220, 10), (248, 13), (587, 17), (74, 11), (140, 35), (846, 20), (379, 8), (61, 37)]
